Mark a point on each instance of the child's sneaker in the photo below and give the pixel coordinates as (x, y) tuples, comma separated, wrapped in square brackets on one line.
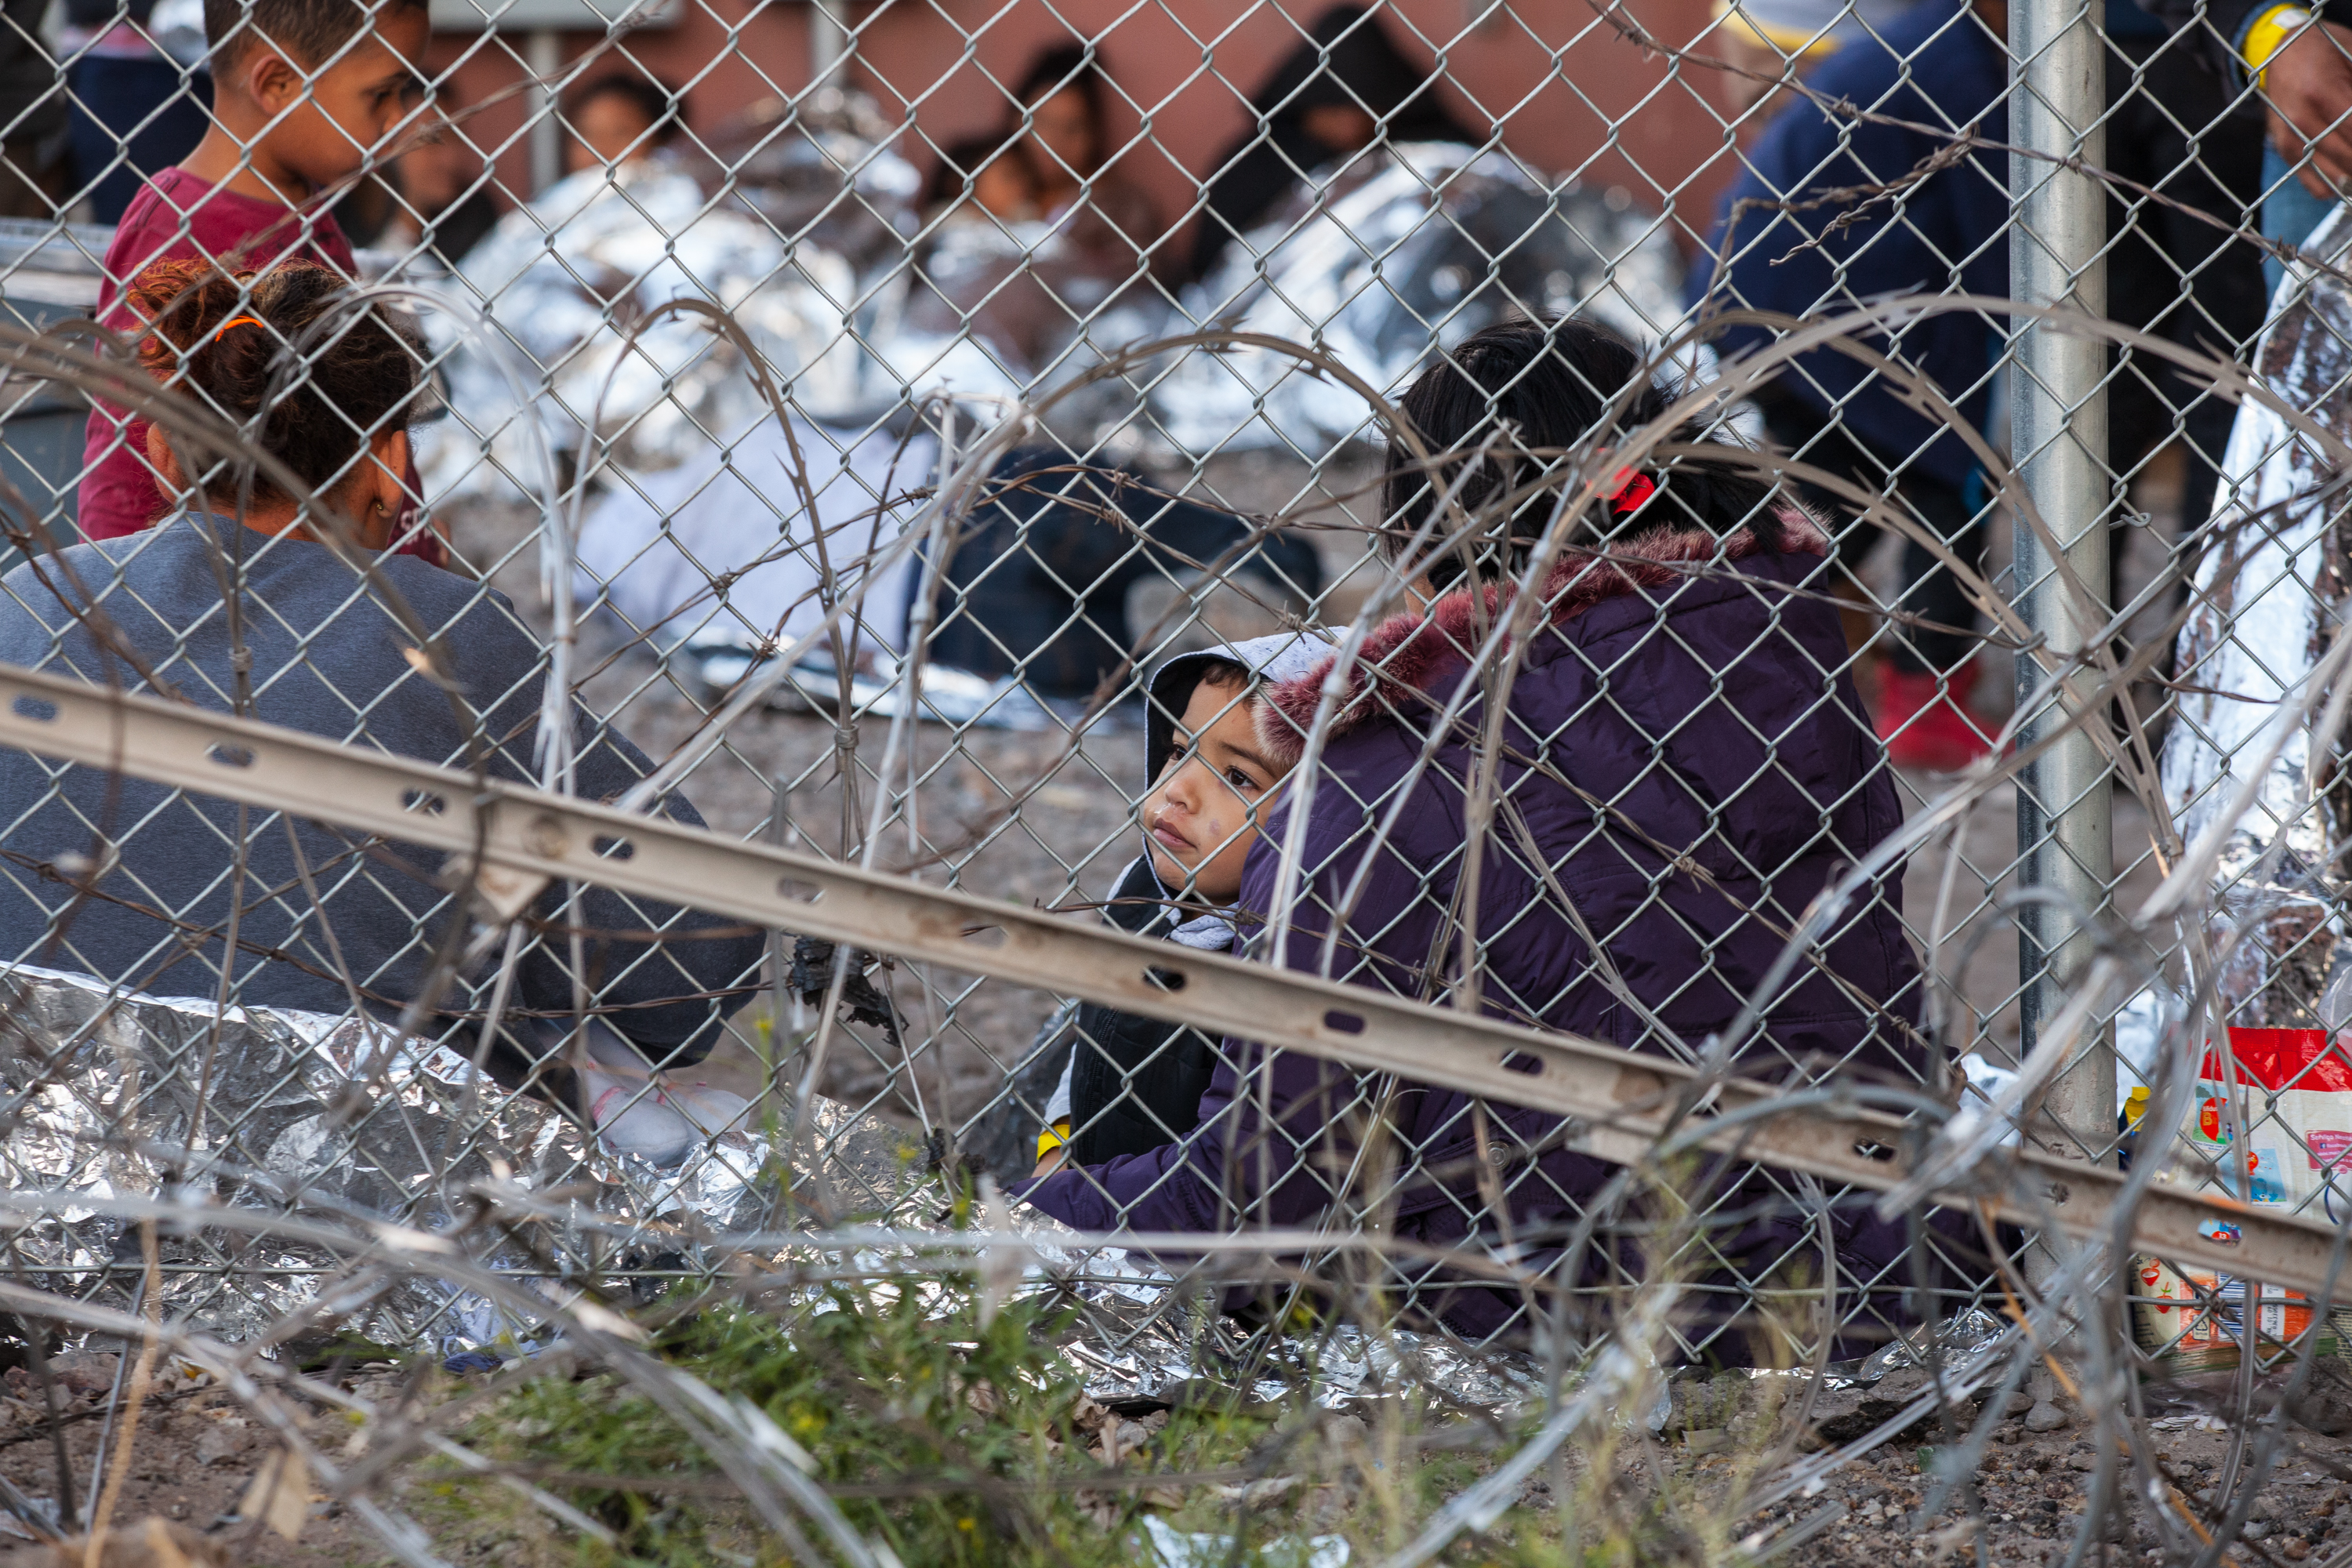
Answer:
[(1923, 724), (630, 1118), (659, 1123), (715, 1112)]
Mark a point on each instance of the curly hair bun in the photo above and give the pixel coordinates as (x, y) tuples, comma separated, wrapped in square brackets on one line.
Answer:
[(229, 340)]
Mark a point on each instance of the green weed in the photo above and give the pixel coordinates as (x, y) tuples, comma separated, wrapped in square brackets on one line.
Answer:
[(955, 1443)]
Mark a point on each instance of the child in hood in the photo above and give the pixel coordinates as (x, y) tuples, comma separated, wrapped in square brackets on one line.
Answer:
[(1131, 1083), (1681, 753)]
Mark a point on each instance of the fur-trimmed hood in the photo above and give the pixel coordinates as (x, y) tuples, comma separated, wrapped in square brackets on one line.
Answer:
[(1405, 651), (1741, 779)]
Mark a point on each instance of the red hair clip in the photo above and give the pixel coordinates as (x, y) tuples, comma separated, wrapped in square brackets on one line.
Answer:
[(1634, 489), (236, 322)]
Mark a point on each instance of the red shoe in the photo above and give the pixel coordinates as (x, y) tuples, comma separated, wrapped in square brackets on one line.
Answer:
[(1923, 724)]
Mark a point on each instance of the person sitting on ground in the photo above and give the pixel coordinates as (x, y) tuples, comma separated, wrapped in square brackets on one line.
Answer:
[(440, 193), (1072, 167), (132, 882), (1080, 254), (1681, 755), (304, 93), (1131, 1083), (616, 119), (1344, 88)]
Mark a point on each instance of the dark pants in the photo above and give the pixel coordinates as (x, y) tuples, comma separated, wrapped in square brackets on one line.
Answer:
[(1037, 586), (2170, 273), (1929, 591), (142, 108)]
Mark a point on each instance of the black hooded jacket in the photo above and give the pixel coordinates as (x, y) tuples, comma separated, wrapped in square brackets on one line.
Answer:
[(1346, 59), (1135, 1082)]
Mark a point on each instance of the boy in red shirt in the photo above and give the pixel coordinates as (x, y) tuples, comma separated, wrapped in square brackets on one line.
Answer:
[(303, 92)]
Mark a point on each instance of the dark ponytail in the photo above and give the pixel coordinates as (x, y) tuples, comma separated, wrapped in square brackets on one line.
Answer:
[(1548, 384), (220, 338)]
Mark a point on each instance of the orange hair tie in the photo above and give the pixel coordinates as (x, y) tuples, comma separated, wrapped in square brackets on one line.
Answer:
[(236, 322)]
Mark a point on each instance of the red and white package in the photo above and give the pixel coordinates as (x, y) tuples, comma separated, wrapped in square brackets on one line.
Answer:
[(2298, 1105)]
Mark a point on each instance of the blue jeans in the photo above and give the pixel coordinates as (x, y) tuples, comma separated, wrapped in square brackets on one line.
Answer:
[(2289, 211)]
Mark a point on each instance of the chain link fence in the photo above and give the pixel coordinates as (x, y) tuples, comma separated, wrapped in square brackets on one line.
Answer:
[(904, 436)]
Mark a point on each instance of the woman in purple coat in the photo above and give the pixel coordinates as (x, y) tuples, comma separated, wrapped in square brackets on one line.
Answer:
[(1685, 756)]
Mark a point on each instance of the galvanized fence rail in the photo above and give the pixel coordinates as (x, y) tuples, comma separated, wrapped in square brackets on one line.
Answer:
[(831, 421)]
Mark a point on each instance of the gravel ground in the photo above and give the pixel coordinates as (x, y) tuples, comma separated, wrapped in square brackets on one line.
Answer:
[(2026, 1500), (1067, 843), (196, 1454)]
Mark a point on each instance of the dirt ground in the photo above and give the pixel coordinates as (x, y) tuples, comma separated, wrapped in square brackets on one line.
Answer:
[(196, 1454), (193, 1459)]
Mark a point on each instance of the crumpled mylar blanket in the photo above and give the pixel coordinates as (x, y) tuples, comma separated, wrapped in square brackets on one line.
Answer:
[(567, 280), (1421, 240), (99, 1094), (2267, 608), (99, 1090)]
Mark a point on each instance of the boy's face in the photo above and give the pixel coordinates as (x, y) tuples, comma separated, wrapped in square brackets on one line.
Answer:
[(323, 124), (1202, 816)]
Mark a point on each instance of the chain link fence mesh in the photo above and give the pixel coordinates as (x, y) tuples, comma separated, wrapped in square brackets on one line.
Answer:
[(856, 406)]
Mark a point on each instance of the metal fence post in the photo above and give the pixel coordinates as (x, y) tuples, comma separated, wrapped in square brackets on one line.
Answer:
[(543, 55), (2059, 440)]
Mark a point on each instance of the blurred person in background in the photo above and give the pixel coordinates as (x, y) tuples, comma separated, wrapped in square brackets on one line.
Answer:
[(616, 119), (982, 179), (138, 107), (2297, 57), (2173, 125), (1938, 65), (444, 184), (1041, 239), (1768, 41), (1065, 143), (436, 194), (34, 158), (1342, 88), (2168, 272)]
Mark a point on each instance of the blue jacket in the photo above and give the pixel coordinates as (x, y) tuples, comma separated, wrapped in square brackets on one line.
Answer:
[(1935, 67)]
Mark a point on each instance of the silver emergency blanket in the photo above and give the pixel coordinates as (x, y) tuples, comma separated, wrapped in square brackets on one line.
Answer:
[(2268, 599), (802, 241), (101, 1087), (720, 551), (1028, 290), (1419, 240)]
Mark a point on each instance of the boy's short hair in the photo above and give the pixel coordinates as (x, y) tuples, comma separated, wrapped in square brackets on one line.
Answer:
[(310, 30), (1221, 674)]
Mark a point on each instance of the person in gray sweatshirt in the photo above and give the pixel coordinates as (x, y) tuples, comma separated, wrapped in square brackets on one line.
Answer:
[(136, 883)]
